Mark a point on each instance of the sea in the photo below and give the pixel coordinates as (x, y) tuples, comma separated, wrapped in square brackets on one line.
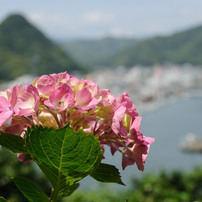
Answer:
[(169, 124)]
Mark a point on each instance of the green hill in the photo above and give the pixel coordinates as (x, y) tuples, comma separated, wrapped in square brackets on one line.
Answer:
[(94, 51), (24, 49), (179, 48)]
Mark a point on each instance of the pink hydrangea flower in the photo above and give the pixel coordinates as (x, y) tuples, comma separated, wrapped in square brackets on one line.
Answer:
[(57, 99), (28, 101), (44, 85), (17, 127), (130, 107), (60, 98), (84, 100), (136, 154), (117, 124), (7, 103), (136, 133)]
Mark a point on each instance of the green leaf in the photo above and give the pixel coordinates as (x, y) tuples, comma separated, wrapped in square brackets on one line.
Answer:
[(2, 199), (107, 173), (68, 190), (63, 155), (15, 143), (30, 190), (65, 189)]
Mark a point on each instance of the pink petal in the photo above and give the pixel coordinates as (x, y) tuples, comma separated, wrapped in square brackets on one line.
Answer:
[(127, 159), (83, 97), (31, 89), (61, 98), (44, 84), (26, 112), (113, 150), (3, 103), (140, 155), (59, 93), (135, 131), (130, 107), (117, 118), (21, 157), (28, 102), (5, 116), (15, 127), (14, 96), (148, 140)]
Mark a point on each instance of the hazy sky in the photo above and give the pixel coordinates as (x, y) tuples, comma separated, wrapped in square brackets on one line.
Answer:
[(92, 18)]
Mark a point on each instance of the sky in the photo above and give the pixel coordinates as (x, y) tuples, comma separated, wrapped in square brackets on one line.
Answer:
[(65, 19)]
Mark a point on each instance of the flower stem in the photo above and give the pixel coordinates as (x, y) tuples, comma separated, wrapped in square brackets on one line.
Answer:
[(52, 194)]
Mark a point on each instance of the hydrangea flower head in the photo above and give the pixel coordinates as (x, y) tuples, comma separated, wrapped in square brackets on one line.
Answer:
[(58, 99)]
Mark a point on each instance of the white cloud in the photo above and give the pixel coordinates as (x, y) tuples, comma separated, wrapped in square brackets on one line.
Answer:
[(54, 25), (97, 17), (120, 32), (48, 18)]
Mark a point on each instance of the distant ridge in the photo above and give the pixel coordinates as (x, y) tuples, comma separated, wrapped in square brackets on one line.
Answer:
[(94, 51), (182, 47), (24, 49)]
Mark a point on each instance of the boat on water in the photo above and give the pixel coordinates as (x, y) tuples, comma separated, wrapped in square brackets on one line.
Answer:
[(191, 144)]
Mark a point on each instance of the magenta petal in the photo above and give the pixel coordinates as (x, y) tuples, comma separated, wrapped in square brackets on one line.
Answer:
[(83, 97), (26, 112), (3, 103), (140, 155), (44, 84), (135, 131), (130, 107), (148, 140), (112, 149), (5, 116), (54, 97), (14, 96), (21, 157), (118, 115), (57, 95), (61, 98), (127, 159), (31, 89), (93, 102)]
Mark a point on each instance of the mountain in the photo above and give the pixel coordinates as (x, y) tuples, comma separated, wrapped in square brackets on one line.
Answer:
[(24, 49), (94, 51), (179, 48)]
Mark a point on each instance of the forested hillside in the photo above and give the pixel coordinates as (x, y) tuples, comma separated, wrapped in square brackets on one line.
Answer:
[(24, 50), (179, 48), (93, 52)]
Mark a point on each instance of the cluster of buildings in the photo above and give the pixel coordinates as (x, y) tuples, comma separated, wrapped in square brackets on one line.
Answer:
[(150, 86)]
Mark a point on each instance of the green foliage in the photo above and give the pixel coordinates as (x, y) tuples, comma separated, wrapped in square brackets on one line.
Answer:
[(10, 167), (2, 199), (30, 190), (13, 142), (179, 48), (64, 156), (107, 173), (175, 186), (25, 50)]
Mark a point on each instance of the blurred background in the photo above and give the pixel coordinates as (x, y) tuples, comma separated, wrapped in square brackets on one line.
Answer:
[(151, 49)]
